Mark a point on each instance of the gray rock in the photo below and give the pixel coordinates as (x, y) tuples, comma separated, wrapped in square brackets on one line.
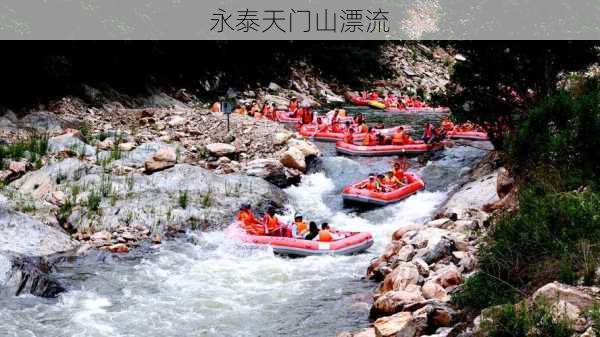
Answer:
[(22, 234), (140, 154), (270, 170), (46, 121), (69, 142), (30, 275), (153, 200), (274, 87)]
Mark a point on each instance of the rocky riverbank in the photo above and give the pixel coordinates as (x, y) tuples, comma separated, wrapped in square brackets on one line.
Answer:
[(81, 177), (425, 263)]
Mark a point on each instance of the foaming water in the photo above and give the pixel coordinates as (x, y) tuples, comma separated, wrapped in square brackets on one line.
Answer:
[(211, 286), (207, 285)]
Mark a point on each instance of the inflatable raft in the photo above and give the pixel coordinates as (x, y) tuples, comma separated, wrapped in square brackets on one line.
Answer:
[(358, 100), (470, 135), (384, 150), (376, 104), (353, 194), (427, 109), (350, 243), (284, 117), (418, 110), (310, 131)]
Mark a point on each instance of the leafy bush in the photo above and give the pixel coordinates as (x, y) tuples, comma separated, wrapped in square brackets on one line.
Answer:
[(524, 320), (518, 250)]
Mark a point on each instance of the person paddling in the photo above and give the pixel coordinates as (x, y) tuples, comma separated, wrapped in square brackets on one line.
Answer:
[(248, 221), (272, 227)]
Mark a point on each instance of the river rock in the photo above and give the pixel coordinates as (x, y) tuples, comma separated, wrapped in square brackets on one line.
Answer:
[(403, 275), (118, 248), (23, 234), (213, 200), (17, 167), (126, 146), (406, 253), (432, 290), (469, 200), (106, 144), (270, 170), (221, 149), (399, 325), (555, 292), (293, 158), (29, 275), (70, 143), (307, 148), (392, 302), (161, 160), (281, 138), (449, 277)]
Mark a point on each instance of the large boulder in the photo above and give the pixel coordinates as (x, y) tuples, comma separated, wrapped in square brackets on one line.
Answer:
[(399, 325), (270, 170), (28, 275), (37, 184), (70, 143), (432, 290), (575, 296), (401, 277), (293, 158), (392, 302), (154, 200), (23, 234)]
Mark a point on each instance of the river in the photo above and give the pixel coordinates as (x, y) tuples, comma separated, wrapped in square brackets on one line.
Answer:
[(206, 285)]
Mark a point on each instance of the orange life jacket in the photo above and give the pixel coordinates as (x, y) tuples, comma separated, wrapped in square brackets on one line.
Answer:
[(325, 235), (271, 222), (348, 137), (399, 174), (370, 139), (398, 138), (301, 227), (363, 128), (447, 125), (293, 106), (249, 223), (407, 140), (371, 186)]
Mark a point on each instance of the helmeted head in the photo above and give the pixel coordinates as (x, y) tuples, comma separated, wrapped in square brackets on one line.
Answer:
[(245, 206), (298, 217)]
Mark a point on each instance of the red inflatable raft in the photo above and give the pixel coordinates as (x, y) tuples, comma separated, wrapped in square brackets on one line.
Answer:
[(354, 194), (358, 100), (470, 135), (384, 150), (418, 110), (350, 243), (310, 131), (284, 117)]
